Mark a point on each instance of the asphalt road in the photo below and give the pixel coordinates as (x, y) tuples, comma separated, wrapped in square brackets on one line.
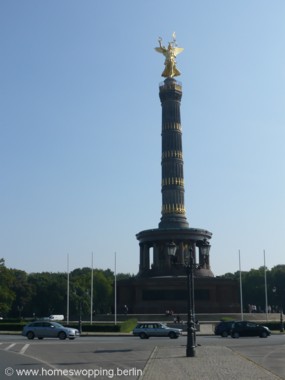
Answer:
[(126, 357)]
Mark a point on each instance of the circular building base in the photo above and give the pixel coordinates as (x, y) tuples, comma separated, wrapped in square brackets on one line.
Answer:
[(155, 259)]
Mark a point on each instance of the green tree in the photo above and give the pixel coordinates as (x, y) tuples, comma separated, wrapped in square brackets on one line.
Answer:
[(124, 276), (254, 288), (6, 293), (80, 290), (103, 292), (276, 287), (23, 293), (49, 294)]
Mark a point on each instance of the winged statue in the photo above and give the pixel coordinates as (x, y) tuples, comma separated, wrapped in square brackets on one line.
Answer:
[(170, 54)]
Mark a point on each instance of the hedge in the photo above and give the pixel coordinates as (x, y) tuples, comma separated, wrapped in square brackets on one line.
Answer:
[(126, 326)]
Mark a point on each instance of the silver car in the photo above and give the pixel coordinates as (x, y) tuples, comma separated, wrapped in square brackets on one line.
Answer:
[(44, 329), (147, 329)]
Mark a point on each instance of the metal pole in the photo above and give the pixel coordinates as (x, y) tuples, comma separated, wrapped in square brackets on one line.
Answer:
[(190, 348), (80, 316), (67, 296), (240, 285), (281, 313), (281, 320), (193, 311), (91, 291), (193, 297), (265, 287), (115, 290), (279, 295)]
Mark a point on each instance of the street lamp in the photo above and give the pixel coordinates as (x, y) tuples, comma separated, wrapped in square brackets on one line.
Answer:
[(274, 290), (79, 293), (191, 338), (20, 309), (190, 266)]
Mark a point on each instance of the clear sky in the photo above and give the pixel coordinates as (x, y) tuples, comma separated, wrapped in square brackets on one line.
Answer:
[(80, 127)]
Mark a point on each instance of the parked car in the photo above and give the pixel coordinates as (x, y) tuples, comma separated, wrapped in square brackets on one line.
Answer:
[(224, 328), (245, 328), (147, 329), (44, 329), (56, 317)]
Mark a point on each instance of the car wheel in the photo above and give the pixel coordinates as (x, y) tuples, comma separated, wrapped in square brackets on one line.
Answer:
[(143, 335), (30, 335), (263, 334), (224, 334), (62, 335), (235, 335), (172, 335)]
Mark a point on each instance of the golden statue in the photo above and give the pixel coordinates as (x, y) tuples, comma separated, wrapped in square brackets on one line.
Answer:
[(170, 54)]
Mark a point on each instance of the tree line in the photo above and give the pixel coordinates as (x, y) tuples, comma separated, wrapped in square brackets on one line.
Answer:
[(253, 288), (37, 295), (42, 294)]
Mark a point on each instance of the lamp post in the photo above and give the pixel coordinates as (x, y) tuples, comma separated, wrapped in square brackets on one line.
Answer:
[(20, 309), (190, 346), (79, 294), (274, 290), (190, 266)]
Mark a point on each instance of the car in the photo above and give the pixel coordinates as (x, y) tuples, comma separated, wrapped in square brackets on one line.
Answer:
[(56, 317), (245, 328), (224, 328), (147, 329), (44, 329)]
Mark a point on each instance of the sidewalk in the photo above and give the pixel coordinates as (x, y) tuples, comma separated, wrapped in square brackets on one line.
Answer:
[(210, 363)]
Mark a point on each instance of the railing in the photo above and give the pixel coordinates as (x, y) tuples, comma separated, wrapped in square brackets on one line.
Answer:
[(172, 84)]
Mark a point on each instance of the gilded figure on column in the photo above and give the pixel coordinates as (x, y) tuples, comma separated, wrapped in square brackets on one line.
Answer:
[(170, 54)]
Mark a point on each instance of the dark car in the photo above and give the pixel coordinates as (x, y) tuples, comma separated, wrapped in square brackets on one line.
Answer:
[(147, 329), (245, 328), (224, 328)]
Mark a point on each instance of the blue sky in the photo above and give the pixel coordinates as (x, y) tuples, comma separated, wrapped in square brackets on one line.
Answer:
[(80, 128)]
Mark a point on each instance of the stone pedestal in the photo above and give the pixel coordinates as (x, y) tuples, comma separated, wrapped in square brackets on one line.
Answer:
[(155, 295)]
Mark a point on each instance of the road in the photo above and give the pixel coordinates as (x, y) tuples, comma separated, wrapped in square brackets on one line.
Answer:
[(105, 357)]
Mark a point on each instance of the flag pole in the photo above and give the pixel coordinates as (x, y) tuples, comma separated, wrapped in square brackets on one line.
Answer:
[(91, 291), (240, 285), (115, 290), (67, 297), (265, 286)]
